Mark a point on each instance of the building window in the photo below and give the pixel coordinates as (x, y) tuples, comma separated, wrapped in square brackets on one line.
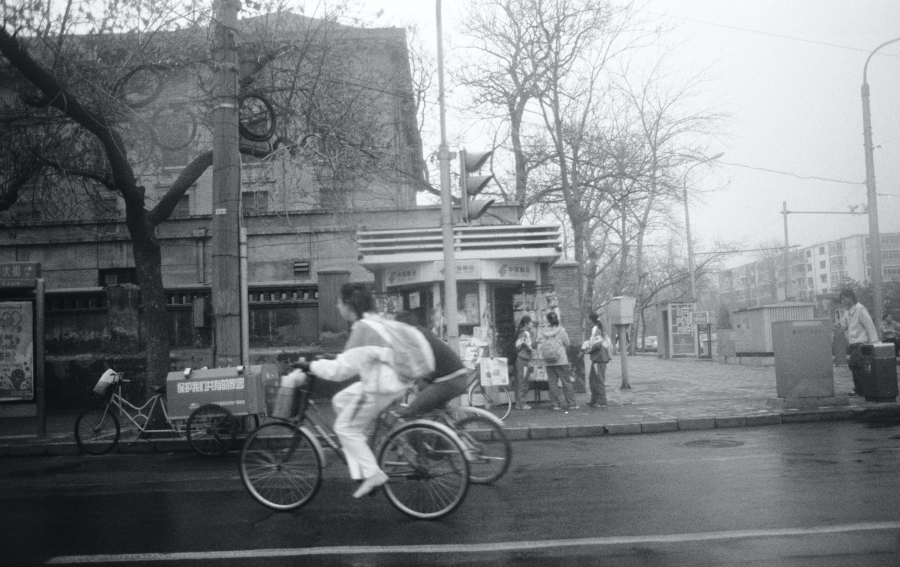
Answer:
[(255, 202), (808, 253), (822, 264), (821, 250), (823, 278), (810, 282), (117, 276), (809, 267)]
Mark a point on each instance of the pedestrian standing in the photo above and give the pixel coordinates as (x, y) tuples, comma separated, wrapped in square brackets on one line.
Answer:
[(553, 344), (524, 349), (599, 351), (859, 328)]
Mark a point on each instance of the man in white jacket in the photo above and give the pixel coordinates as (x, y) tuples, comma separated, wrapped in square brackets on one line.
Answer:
[(367, 354)]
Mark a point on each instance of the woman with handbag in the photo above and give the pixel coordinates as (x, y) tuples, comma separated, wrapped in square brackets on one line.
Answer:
[(524, 346), (599, 351)]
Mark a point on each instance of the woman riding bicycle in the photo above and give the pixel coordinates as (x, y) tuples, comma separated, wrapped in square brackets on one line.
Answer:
[(369, 355)]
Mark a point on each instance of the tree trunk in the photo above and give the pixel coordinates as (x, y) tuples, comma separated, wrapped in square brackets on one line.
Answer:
[(154, 316)]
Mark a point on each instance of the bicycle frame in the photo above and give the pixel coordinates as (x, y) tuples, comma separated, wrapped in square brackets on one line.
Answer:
[(134, 413)]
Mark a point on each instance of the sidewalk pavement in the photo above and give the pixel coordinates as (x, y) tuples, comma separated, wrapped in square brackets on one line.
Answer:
[(665, 395)]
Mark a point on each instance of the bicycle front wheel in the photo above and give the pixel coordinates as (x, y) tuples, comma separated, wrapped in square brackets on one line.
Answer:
[(280, 466), (427, 468), (495, 399), (97, 430), (211, 430), (489, 449)]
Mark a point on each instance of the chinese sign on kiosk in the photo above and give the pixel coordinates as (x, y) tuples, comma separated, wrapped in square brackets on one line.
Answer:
[(16, 351)]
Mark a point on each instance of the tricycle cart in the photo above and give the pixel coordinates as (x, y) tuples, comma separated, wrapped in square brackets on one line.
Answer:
[(211, 399)]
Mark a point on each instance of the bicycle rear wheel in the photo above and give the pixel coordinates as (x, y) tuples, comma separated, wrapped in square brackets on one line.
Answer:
[(97, 430), (280, 466), (489, 449), (211, 430), (429, 475), (495, 399)]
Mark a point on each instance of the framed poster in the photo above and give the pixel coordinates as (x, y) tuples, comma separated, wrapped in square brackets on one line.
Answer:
[(681, 329), (16, 351)]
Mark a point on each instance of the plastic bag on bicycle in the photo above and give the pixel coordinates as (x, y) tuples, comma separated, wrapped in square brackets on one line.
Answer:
[(105, 383)]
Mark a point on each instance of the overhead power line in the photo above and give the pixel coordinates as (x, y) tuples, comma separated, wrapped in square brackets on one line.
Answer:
[(798, 176), (770, 34)]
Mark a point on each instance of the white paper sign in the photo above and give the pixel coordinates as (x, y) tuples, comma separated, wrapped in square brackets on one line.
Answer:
[(494, 372)]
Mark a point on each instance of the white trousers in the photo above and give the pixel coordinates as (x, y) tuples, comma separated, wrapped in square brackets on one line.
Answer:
[(356, 412)]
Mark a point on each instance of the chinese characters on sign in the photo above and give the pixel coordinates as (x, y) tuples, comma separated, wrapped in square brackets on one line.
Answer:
[(16, 351), (210, 385), (19, 274), (682, 329)]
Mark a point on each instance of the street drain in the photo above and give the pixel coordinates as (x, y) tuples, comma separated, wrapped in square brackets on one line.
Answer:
[(713, 443)]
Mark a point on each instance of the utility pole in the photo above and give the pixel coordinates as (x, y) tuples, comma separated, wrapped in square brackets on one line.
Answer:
[(450, 313), (226, 221), (787, 255)]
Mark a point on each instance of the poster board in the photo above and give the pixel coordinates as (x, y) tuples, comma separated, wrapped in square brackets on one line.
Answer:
[(536, 304), (681, 331), (494, 372), (16, 351)]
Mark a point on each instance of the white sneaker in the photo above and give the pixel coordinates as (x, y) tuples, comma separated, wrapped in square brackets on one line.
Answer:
[(370, 484)]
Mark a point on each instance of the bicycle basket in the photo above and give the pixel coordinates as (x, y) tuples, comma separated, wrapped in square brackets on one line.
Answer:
[(281, 402)]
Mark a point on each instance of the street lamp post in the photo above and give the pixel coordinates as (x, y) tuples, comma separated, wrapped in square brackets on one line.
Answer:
[(874, 235), (687, 224)]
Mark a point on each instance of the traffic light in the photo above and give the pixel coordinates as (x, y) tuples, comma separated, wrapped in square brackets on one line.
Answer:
[(471, 185)]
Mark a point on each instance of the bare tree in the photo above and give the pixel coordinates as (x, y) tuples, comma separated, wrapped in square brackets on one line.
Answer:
[(86, 76)]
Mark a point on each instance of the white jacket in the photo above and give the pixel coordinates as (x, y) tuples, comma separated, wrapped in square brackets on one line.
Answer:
[(368, 356)]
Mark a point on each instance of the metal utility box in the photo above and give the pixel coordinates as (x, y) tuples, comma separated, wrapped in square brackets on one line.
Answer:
[(879, 379), (803, 367), (621, 310), (753, 326), (239, 389)]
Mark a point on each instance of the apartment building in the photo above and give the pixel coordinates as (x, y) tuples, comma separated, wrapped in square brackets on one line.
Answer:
[(814, 270)]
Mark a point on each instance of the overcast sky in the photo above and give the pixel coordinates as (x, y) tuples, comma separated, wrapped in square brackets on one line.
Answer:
[(789, 72)]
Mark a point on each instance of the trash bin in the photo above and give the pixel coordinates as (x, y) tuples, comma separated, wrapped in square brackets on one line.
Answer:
[(879, 375)]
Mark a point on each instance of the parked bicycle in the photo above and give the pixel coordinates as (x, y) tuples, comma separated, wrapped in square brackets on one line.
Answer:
[(210, 429), (494, 399), (281, 462)]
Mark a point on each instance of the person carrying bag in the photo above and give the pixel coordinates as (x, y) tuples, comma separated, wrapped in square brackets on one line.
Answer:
[(599, 352), (524, 348)]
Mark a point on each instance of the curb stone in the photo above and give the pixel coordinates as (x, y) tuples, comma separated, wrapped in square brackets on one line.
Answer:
[(736, 421), (659, 426), (764, 419), (586, 430), (550, 432), (623, 428), (692, 423)]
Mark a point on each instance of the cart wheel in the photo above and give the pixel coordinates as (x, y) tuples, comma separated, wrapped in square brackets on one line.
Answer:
[(211, 430)]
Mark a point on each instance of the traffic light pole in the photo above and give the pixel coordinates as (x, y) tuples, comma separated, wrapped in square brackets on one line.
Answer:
[(450, 311)]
